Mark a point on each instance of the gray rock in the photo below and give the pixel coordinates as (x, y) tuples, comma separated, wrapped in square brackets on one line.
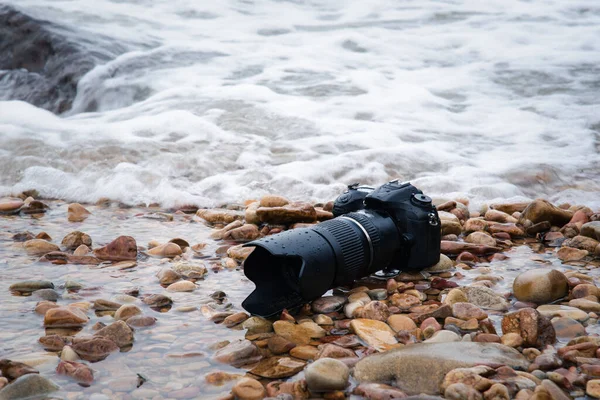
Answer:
[(31, 286), (46, 294), (485, 298), (327, 374), (27, 386), (420, 368)]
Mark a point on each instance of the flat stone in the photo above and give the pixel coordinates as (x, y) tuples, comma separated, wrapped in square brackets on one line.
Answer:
[(592, 388), (553, 310), (238, 353), (374, 333), (248, 389), (585, 305), (467, 311), (288, 214), (421, 367), (166, 250), (485, 298), (63, 317), (95, 348), (298, 333), (28, 386), (10, 206), (448, 247), (219, 216), (278, 367), (567, 328), (39, 247), (182, 286)]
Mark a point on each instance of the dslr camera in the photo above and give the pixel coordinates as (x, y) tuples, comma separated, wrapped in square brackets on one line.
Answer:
[(388, 229)]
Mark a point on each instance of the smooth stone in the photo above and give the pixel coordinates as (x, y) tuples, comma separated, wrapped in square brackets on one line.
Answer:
[(592, 388), (127, 311), (123, 248), (485, 298), (119, 332), (511, 340), (182, 286), (540, 286), (255, 324), (278, 345), (449, 247), (304, 352), (443, 336), (76, 239), (81, 251), (167, 250), (73, 285), (374, 333), (28, 386), (499, 216), (467, 311), (76, 370), (421, 367), (141, 321), (553, 310), (585, 305), (481, 238), (327, 374), (52, 342), (541, 210), (239, 253), (63, 317), (238, 353), (106, 305), (157, 301), (322, 319), (583, 243), (219, 216), (14, 369), (273, 201), (567, 328), (277, 367), (510, 208), (68, 354), (94, 349), (328, 304), (190, 271), (566, 254), (298, 333), (39, 247), (46, 294), (535, 328), (455, 296), (288, 214), (399, 322), (378, 391), (331, 350), (591, 229), (167, 276), (43, 306), (245, 232), (248, 389), (445, 264), (250, 213), (77, 213), (10, 206)]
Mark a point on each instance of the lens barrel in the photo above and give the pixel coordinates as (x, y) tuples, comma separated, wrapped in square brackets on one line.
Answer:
[(300, 265)]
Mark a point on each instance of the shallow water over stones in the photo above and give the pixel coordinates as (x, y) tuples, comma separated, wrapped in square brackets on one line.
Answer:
[(179, 343)]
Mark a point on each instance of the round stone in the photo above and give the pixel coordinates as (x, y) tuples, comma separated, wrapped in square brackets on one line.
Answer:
[(540, 286), (326, 374), (248, 389)]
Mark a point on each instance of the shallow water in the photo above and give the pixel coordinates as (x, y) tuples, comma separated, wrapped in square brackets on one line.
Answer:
[(154, 354), (213, 102)]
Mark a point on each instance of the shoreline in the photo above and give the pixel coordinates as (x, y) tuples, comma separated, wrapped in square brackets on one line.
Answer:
[(179, 349)]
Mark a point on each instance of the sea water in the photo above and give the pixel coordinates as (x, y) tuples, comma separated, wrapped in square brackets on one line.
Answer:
[(220, 101)]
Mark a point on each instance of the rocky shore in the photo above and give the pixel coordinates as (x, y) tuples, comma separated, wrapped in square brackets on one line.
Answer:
[(106, 301)]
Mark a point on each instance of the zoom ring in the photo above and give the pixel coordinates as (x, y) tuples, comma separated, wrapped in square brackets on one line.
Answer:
[(369, 227), (354, 256)]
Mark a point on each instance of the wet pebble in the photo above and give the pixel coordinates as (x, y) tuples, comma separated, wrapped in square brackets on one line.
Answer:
[(327, 374)]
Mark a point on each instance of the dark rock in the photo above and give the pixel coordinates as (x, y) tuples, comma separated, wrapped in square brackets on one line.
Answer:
[(39, 65), (121, 249), (118, 332), (94, 349), (14, 369), (52, 342)]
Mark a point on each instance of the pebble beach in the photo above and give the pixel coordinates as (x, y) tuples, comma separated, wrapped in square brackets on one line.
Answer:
[(107, 301)]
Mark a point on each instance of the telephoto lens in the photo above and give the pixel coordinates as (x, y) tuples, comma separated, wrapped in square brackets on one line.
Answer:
[(395, 226)]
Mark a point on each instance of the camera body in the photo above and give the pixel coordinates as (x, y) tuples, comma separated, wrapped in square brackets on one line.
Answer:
[(412, 212)]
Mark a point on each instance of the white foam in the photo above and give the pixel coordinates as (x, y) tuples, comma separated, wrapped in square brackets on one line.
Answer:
[(224, 101)]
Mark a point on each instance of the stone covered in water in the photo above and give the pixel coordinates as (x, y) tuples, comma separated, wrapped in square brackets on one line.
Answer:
[(94, 349), (39, 247), (122, 248), (421, 368), (77, 213), (14, 369), (78, 371), (119, 332), (30, 286), (62, 317), (238, 353), (28, 386)]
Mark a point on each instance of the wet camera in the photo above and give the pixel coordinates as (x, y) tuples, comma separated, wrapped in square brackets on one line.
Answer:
[(376, 231)]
